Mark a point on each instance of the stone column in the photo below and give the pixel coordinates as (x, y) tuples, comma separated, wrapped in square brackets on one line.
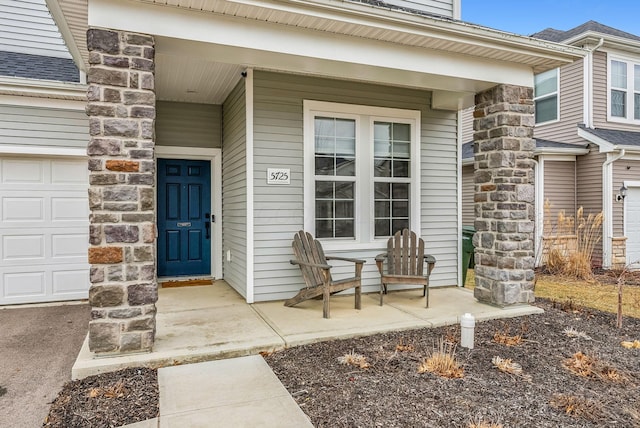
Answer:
[(122, 242), (504, 195)]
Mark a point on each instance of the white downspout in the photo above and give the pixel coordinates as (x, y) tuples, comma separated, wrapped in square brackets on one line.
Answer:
[(459, 199), (538, 171), (588, 86), (607, 207)]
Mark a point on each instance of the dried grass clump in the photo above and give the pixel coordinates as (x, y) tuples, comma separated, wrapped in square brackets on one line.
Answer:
[(401, 347), (564, 254), (584, 365), (354, 359), (504, 336), (483, 424), (117, 390), (443, 362), (631, 345), (572, 332), (507, 366), (578, 407)]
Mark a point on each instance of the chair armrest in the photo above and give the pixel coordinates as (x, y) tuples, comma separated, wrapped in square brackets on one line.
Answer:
[(431, 262), (316, 265), (344, 259), (381, 257)]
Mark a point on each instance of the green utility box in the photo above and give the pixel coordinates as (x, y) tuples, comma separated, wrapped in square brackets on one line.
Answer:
[(467, 250)]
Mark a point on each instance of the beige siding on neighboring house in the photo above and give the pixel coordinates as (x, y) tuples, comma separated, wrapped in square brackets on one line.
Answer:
[(27, 27), (39, 126), (437, 7), (589, 173), (601, 97), (559, 191), (623, 170), (279, 210), (571, 107), (468, 210), (234, 190), (188, 125)]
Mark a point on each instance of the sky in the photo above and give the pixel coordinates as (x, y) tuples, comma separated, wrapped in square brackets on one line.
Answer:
[(530, 16)]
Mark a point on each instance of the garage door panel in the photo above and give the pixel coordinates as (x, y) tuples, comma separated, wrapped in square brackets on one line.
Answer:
[(632, 224), (23, 209), (23, 247), (44, 230), (15, 171)]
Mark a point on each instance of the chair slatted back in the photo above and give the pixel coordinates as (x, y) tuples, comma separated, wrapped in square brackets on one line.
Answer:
[(309, 250), (405, 253)]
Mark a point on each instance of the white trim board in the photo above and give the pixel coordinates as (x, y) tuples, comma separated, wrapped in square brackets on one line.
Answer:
[(215, 156)]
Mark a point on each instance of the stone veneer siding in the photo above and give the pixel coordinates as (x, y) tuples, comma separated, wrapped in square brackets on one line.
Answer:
[(122, 242), (504, 195)]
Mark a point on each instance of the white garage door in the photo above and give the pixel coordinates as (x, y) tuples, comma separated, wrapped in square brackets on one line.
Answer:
[(632, 225), (44, 229)]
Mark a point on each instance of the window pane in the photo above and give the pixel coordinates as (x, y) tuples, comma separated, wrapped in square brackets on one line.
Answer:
[(344, 189), (401, 209), (383, 227), (324, 209), (382, 131), (324, 229), (636, 77), (346, 128), (344, 209), (325, 145), (345, 146), (401, 132), (546, 83), (382, 168), (636, 106), (335, 146), (382, 148), (383, 209), (401, 150), (618, 103), (399, 224), (324, 165), (400, 168), (619, 74), (324, 189), (344, 229), (400, 190), (325, 126), (547, 109), (382, 190), (346, 167)]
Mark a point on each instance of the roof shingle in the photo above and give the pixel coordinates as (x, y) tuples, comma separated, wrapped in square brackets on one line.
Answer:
[(15, 64)]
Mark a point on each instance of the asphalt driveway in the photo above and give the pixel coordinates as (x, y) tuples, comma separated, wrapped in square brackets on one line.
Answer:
[(38, 346)]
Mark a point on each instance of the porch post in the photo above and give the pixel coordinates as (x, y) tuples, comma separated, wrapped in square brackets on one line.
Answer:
[(122, 242), (504, 195)]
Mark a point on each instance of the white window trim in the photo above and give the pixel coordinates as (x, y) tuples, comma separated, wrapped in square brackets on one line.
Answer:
[(363, 238), (557, 93), (631, 62)]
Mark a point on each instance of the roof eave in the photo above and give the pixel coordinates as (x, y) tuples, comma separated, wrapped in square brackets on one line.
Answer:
[(43, 88)]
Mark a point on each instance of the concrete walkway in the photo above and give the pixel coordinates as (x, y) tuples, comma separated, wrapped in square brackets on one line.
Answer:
[(200, 324)]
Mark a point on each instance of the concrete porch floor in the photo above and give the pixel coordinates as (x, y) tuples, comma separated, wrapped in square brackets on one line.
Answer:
[(202, 323)]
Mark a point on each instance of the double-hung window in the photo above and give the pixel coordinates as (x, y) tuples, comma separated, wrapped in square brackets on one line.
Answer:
[(361, 172), (624, 90), (546, 96)]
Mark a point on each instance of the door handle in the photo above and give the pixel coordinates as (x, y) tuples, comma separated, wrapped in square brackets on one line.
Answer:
[(207, 226)]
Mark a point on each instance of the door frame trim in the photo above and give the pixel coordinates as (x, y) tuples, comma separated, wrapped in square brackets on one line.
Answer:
[(215, 157)]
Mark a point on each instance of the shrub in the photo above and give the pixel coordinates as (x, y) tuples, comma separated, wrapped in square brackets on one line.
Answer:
[(442, 361)]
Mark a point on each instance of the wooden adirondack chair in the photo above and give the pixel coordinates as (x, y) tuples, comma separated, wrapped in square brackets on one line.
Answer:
[(317, 273), (405, 263)]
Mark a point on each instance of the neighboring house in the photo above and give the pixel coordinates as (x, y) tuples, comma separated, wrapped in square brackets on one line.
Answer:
[(588, 139), (43, 161), (337, 117)]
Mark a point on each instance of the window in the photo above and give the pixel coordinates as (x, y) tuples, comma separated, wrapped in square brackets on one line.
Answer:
[(545, 95), (624, 90), (361, 172)]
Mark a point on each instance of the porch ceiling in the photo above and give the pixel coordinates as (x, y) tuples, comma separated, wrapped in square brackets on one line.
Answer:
[(184, 78)]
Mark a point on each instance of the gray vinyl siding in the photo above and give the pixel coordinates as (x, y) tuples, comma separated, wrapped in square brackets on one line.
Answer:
[(571, 107), (468, 191), (188, 125), (279, 210), (601, 97), (623, 170), (559, 190), (589, 172), (437, 7), (234, 189), (27, 27), (37, 126)]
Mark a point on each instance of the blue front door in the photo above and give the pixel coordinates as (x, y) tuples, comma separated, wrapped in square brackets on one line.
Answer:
[(184, 217)]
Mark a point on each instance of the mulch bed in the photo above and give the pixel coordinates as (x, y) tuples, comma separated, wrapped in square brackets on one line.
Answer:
[(390, 392), (106, 400)]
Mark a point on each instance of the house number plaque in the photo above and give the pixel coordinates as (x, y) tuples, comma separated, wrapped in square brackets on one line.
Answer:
[(278, 176)]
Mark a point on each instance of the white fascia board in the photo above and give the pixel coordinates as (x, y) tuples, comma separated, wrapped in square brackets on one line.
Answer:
[(610, 41), (67, 35), (43, 88), (603, 145), (285, 48), (49, 103), (7, 149), (568, 152)]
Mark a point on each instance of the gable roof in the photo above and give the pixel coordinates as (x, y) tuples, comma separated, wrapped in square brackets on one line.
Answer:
[(614, 137), (14, 64), (553, 35)]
